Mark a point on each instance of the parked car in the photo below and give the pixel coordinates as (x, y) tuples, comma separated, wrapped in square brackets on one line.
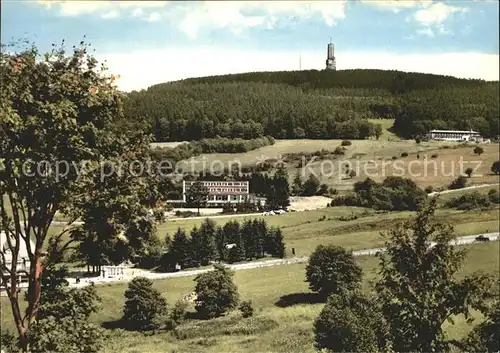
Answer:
[(280, 211), (482, 238)]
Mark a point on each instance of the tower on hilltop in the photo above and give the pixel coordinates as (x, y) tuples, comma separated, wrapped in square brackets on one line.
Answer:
[(330, 57)]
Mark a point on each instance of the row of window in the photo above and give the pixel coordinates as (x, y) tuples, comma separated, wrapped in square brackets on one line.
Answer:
[(224, 183), (228, 190)]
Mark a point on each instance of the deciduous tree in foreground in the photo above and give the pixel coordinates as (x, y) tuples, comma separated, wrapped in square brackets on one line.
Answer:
[(419, 290), (60, 116)]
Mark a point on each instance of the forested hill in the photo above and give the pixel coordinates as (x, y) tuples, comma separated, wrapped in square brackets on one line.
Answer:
[(390, 80), (314, 104)]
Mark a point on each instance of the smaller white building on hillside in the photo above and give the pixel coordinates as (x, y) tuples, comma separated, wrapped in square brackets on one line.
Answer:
[(455, 136)]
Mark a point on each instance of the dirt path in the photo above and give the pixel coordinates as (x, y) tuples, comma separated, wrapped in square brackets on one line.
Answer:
[(466, 188)]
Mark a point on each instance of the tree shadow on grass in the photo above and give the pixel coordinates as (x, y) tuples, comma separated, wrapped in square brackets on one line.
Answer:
[(115, 324), (299, 298)]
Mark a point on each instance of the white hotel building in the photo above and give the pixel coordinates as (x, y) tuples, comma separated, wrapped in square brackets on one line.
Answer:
[(455, 135), (221, 191)]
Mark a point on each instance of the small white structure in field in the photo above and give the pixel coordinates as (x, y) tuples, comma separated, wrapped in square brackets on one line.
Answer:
[(112, 271), (230, 246)]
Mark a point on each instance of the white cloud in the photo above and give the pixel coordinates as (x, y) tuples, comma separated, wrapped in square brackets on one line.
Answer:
[(77, 8), (155, 16), (397, 5), (425, 32), (436, 13), (111, 14), (193, 16), (139, 70), (234, 16)]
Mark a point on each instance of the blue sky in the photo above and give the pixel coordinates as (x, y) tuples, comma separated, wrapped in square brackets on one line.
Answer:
[(151, 42)]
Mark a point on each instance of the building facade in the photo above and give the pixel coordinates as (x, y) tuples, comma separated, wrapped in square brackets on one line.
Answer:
[(220, 192), (455, 135)]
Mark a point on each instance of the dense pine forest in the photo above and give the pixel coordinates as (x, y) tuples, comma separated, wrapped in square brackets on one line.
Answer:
[(314, 104)]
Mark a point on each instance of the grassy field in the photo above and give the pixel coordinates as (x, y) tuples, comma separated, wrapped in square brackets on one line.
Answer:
[(386, 129), (285, 311), (368, 158), (481, 190)]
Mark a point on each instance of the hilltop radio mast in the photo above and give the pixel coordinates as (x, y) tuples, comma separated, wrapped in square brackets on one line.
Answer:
[(330, 57), (300, 61)]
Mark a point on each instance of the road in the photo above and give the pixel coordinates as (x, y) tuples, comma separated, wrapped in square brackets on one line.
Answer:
[(260, 213), (267, 263), (466, 188)]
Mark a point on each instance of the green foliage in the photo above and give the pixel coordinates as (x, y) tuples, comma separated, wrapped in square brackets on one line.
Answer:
[(274, 243), (306, 104), (495, 167), (63, 323), (346, 143), (331, 269), (278, 195), (216, 292), (350, 322), (251, 239), (485, 337), (469, 171), (470, 201), (429, 189), (404, 154), (469, 105), (378, 131), (310, 186), (418, 288), (203, 242), (393, 194), (458, 183), (494, 196), (177, 315), (478, 150), (197, 195), (297, 187), (246, 308), (145, 308), (8, 342), (63, 108)]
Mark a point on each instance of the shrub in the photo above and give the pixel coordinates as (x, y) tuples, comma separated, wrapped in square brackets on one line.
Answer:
[(394, 158), (470, 201), (494, 196), (478, 150), (177, 315), (404, 154), (144, 308), (351, 322), (216, 292), (469, 171), (323, 189), (434, 156), (429, 189), (458, 183), (332, 269), (418, 140), (246, 308), (338, 151), (346, 143), (495, 167)]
